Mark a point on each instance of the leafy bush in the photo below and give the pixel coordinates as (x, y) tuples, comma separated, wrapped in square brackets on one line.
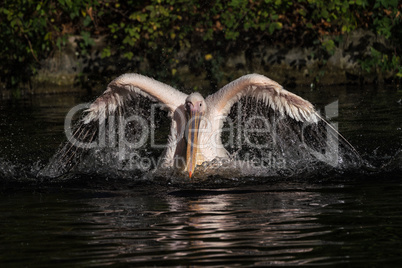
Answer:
[(33, 30)]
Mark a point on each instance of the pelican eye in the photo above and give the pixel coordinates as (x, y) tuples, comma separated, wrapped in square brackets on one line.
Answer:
[(200, 104)]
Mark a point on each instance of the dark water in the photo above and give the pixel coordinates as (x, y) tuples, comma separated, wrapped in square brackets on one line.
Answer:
[(351, 218)]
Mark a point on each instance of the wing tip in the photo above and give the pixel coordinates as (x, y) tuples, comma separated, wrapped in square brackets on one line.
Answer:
[(107, 103)]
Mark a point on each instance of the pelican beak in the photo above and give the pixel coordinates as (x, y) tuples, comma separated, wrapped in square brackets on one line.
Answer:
[(192, 141)]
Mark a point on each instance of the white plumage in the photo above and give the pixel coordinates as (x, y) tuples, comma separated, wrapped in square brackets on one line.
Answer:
[(218, 106), (261, 116)]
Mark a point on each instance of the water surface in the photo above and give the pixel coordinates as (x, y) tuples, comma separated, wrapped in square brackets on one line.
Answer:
[(350, 218)]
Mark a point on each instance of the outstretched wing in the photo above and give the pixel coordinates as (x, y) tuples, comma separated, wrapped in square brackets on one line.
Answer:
[(128, 86), (126, 96), (270, 119), (266, 90)]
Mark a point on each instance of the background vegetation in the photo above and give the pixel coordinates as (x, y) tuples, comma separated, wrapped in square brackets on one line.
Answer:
[(158, 30)]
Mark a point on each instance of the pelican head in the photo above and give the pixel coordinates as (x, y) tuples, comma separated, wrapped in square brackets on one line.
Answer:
[(195, 108)]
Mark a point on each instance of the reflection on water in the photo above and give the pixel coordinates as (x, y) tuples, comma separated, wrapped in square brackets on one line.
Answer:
[(276, 224), (353, 218)]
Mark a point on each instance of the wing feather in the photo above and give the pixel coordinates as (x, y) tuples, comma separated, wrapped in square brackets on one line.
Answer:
[(125, 95), (262, 88), (128, 86), (296, 120)]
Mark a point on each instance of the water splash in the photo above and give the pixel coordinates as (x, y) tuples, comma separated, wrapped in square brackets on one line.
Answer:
[(261, 144)]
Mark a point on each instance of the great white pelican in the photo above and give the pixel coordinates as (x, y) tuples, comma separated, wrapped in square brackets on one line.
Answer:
[(196, 122)]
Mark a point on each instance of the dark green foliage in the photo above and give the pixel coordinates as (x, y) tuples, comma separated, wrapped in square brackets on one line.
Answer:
[(32, 30)]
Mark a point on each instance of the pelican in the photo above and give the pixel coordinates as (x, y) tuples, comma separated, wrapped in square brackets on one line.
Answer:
[(196, 122)]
